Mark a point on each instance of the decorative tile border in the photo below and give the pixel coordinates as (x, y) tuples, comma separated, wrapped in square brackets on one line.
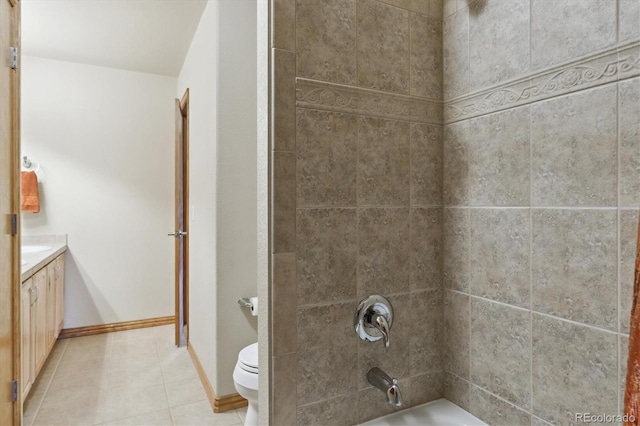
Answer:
[(336, 97), (604, 67)]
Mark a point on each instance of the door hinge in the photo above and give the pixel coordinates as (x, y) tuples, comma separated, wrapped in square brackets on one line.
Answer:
[(13, 51), (14, 224), (14, 390)]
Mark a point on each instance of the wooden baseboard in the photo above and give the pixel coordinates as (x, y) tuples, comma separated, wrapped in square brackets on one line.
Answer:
[(66, 333), (219, 405)]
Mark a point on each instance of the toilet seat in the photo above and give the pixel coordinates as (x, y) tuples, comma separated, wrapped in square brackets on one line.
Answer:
[(248, 358)]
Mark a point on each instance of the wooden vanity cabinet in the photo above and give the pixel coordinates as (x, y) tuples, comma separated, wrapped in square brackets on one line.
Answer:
[(40, 306), (27, 336), (42, 313)]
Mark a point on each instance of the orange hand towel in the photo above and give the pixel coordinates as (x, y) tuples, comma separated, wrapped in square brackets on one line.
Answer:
[(30, 200), (632, 394)]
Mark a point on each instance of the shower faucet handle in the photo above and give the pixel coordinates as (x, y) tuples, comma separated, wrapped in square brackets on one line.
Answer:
[(373, 319)]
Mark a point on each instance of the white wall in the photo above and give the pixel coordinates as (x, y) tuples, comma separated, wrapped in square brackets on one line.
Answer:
[(237, 182), (199, 75), (105, 141), (220, 72)]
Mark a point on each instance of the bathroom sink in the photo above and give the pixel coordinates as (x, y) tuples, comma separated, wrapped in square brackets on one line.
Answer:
[(23, 262), (34, 249)]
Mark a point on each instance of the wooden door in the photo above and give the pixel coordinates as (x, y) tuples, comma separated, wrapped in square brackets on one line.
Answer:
[(181, 233), (10, 285)]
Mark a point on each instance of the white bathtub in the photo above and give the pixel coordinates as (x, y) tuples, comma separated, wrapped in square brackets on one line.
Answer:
[(435, 413)]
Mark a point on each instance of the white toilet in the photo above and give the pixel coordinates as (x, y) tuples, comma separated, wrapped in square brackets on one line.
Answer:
[(245, 378)]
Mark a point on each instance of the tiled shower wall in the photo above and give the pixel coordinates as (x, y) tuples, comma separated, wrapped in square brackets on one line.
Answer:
[(541, 192), (357, 203), (520, 287)]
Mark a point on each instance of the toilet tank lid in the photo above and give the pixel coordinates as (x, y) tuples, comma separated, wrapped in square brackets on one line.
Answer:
[(249, 355)]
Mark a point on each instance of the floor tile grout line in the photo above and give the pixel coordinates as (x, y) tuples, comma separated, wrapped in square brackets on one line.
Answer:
[(48, 385)]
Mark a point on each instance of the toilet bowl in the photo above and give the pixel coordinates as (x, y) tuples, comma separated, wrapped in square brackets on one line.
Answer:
[(245, 379)]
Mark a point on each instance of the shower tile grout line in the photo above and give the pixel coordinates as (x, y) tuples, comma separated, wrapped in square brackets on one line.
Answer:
[(519, 308)]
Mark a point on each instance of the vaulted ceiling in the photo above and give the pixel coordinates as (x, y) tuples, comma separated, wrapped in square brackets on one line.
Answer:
[(151, 36)]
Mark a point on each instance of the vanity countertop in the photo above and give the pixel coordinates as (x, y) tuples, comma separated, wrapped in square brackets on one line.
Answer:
[(38, 260)]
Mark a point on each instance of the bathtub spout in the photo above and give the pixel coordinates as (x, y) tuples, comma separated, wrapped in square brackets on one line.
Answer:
[(386, 384)]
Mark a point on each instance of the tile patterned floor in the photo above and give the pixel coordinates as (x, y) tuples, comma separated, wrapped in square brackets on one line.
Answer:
[(135, 377)]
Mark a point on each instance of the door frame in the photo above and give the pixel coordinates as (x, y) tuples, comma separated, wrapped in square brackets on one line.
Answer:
[(183, 106), (10, 290)]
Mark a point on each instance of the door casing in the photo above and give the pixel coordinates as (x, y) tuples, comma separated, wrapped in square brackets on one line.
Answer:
[(10, 285), (182, 176)]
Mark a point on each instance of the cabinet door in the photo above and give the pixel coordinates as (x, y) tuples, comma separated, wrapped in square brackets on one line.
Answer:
[(40, 286), (50, 305), (26, 348), (59, 293)]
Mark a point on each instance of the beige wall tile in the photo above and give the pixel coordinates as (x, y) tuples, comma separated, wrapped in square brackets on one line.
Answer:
[(383, 47), (623, 350), (372, 403), (629, 125), (425, 388), (284, 100), (628, 239), (284, 24), (501, 351), (327, 253), (456, 249), (326, 40), (383, 162), (499, 255), (499, 159), (435, 8), (455, 33), (340, 411), (494, 411), (426, 56), (629, 16), (572, 364), (383, 253), (498, 41), (574, 267), (327, 151), (426, 331), (426, 248), (327, 344), (535, 421), (283, 304), (393, 360), (456, 390), (419, 6), (284, 389), (455, 185), (574, 149), (583, 25), (449, 7), (284, 202), (426, 164), (456, 334)]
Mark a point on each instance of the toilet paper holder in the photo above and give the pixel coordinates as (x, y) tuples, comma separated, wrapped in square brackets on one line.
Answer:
[(251, 303), (245, 302)]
